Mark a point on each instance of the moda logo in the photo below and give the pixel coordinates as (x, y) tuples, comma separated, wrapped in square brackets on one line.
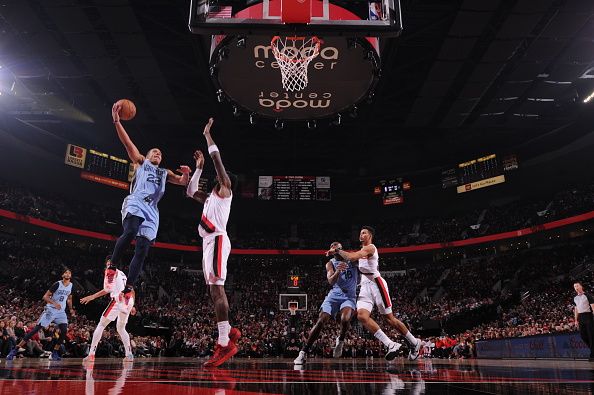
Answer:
[(281, 101)]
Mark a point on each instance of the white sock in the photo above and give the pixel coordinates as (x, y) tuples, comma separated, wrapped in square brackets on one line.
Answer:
[(96, 338), (410, 338), (224, 329), (125, 336), (382, 337)]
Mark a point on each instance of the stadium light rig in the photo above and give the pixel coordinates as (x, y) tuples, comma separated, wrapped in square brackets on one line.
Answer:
[(279, 125), (589, 98)]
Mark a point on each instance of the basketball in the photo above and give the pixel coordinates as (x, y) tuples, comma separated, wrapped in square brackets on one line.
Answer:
[(128, 109)]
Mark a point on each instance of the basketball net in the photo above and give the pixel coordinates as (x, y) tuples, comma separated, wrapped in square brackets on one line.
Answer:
[(293, 309), (293, 55)]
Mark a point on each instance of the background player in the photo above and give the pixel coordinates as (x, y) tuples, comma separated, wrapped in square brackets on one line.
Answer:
[(140, 214), (59, 294), (344, 277), (374, 292), (118, 308), (216, 245)]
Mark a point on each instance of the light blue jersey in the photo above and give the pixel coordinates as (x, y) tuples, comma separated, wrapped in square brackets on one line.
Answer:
[(344, 292), (60, 294), (147, 188), (347, 280)]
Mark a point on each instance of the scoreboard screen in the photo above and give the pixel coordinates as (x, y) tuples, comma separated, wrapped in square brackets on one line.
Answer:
[(109, 166), (478, 169), (107, 169), (294, 281), (294, 188), (392, 191), (478, 173), (100, 167)]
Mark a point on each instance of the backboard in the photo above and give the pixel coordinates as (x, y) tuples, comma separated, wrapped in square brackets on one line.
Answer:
[(286, 300), (344, 72), (379, 18)]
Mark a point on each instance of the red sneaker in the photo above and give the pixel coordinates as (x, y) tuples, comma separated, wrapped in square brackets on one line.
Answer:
[(221, 354), (234, 335)]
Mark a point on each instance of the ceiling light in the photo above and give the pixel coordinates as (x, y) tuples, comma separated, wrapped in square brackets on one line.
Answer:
[(338, 120), (279, 125), (589, 98)]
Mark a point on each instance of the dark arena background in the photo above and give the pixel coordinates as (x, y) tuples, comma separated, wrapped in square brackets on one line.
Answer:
[(460, 131)]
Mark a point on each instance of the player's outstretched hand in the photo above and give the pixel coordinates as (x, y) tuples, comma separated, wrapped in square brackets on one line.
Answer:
[(86, 299), (330, 252), (208, 126), (184, 169), (115, 112), (133, 310), (199, 158)]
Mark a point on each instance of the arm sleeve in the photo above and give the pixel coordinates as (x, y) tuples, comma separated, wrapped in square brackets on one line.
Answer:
[(54, 287), (194, 183)]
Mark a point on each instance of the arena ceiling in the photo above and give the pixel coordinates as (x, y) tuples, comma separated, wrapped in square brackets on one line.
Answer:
[(466, 78)]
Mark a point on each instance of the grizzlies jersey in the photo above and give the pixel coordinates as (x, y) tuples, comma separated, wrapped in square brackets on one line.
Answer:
[(60, 294), (147, 188), (148, 184), (348, 280)]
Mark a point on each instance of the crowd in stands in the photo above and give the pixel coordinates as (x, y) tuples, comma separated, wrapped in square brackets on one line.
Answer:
[(309, 234), (179, 301)]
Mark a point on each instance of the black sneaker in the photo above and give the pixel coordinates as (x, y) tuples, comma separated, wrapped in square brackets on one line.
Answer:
[(392, 351)]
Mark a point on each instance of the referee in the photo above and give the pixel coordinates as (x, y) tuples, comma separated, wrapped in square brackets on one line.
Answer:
[(584, 320)]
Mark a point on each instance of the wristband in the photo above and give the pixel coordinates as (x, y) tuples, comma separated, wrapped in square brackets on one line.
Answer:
[(116, 121), (212, 148)]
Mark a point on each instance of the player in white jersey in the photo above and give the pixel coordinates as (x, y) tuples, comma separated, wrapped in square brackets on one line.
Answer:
[(374, 292), (216, 245), (119, 307)]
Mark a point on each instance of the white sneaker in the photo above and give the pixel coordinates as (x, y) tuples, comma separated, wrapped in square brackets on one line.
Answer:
[(392, 351), (129, 358), (300, 360), (414, 352), (338, 348)]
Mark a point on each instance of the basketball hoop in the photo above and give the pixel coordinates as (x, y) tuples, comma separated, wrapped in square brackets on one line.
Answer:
[(293, 307), (293, 55)]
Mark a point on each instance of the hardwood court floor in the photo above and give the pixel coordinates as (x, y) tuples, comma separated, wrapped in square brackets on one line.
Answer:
[(163, 376)]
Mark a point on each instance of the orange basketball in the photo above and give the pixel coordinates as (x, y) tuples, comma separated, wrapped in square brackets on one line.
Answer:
[(127, 109)]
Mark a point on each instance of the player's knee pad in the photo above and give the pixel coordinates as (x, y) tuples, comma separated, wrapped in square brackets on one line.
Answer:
[(121, 326), (103, 323), (142, 246), (131, 224)]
